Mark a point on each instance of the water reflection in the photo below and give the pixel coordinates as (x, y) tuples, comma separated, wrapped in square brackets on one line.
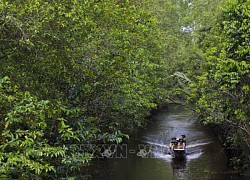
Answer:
[(178, 166), (149, 159)]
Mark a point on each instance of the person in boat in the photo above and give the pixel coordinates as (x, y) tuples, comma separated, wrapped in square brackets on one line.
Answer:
[(184, 138), (173, 144), (181, 144)]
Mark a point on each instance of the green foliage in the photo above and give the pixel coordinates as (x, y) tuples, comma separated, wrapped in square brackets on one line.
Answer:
[(86, 72), (86, 53), (26, 148), (184, 26), (221, 93)]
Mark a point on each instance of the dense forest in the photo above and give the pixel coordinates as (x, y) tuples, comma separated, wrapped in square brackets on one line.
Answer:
[(79, 72)]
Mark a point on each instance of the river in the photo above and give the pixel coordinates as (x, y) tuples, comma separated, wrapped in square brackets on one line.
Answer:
[(146, 159)]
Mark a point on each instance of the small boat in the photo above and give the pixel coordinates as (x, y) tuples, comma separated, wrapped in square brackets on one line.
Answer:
[(177, 148)]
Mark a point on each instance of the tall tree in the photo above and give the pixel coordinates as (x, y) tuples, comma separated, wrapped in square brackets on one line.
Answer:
[(97, 64), (222, 91)]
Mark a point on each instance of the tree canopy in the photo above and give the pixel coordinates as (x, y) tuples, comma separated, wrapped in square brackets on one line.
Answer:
[(221, 93), (73, 72), (81, 72)]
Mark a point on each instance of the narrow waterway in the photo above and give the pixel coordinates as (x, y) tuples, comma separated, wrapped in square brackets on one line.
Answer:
[(146, 157)]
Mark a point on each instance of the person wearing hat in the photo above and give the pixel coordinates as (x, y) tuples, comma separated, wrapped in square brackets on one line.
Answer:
[(181, 144), (174, 143)]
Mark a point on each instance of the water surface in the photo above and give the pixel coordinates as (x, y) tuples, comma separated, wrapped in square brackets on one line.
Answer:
[(146, 157)]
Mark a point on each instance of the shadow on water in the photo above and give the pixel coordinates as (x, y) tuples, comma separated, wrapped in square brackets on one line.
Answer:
[(147, 158)]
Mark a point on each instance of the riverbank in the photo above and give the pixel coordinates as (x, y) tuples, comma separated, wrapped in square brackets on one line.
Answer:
[(206, 158), (238, 158)]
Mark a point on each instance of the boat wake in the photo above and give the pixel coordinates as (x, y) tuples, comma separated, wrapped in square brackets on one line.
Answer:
[(157, 144), (159, 150), (163, 156), (197, 144), (194, 155)]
